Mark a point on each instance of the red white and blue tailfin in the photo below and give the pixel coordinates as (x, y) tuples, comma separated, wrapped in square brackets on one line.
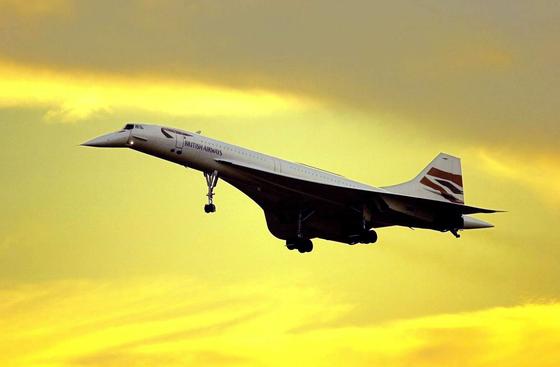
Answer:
[(441, 180)]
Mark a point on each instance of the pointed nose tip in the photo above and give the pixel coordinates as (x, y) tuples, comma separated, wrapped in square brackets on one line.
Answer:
[(93, 143), (113, 140)]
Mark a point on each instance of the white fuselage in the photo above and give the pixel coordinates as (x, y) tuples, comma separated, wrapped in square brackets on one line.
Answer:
[(200, 152)]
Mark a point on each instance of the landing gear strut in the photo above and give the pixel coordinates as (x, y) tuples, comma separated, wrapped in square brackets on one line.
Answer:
[(211, 182), (455, 233), (301, 243), (367, 235)]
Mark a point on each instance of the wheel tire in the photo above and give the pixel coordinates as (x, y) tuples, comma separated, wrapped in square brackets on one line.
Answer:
[(300, 244), (291, 245), (307, 245)]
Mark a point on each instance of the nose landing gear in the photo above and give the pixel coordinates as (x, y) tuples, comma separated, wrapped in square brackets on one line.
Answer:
[(211, 182)]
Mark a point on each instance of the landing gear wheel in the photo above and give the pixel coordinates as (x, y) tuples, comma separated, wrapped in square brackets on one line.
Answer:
[(209, 208), (371, 237), (367, 237), (291, 245), (303, 245)]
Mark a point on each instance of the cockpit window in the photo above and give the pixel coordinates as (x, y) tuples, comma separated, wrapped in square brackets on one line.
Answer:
[(128, 127)]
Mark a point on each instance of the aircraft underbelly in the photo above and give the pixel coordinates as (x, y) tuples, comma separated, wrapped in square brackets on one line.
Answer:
[(328, 217), (321, 225)]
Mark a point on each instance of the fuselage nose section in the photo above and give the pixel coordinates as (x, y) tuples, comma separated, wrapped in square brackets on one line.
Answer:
[(112, 140)]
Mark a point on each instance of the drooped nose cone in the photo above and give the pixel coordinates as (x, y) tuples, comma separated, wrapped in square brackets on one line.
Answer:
[(112, 140)]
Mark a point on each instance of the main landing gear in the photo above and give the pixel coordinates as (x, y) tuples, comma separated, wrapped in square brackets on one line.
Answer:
[(300, 244), (211, 182), (366, 235)]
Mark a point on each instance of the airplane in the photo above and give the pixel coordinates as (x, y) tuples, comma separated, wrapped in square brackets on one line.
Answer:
[(301, 202)]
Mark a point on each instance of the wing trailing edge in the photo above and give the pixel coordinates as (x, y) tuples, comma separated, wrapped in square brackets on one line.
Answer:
[(349, 195)]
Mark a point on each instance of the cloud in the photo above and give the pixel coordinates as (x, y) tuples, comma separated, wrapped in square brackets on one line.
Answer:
[(93, 323), (74, 96), (35, 8), (470, 71), (538, 171)]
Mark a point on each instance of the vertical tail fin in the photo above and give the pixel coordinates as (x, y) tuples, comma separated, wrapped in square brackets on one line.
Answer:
[(441, 180)]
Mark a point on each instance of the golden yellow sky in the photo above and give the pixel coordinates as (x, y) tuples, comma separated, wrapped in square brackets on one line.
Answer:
[(107, 258)]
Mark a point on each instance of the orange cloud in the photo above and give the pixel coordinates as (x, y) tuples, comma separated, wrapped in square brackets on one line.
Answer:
[(75, 96), (539, 172), (177, 322)]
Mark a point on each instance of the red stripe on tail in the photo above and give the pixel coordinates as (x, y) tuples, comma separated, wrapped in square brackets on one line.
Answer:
[(457, 179)]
